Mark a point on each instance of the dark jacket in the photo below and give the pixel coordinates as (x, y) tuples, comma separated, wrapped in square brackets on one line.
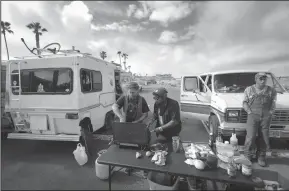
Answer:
[(169, 111)]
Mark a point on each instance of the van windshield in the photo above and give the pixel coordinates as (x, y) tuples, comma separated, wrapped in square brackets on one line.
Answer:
[(238, 82), (43, 81)]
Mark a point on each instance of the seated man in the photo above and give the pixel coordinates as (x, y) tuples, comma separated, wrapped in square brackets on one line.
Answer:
[(167, 115)]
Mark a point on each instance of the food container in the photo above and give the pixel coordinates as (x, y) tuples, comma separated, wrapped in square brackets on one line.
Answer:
[(247, 170), (231, 170)]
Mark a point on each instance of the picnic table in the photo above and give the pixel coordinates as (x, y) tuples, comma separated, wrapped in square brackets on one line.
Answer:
[(175, 165)]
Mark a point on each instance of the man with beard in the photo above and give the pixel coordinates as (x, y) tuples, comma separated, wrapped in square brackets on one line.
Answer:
[(259, 102), (167, 115), (135, 107)]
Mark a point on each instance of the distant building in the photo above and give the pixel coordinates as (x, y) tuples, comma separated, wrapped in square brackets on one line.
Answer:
[(164, 77)]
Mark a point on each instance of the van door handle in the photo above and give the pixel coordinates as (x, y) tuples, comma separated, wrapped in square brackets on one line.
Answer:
[(184, 95)]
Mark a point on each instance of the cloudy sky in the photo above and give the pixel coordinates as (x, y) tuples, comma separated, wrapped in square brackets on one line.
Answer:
[(160, 37)]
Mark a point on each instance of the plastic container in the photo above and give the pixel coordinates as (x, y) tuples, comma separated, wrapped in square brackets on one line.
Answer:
[(234, 139), (101, 170), (247, 170), (155, 186)]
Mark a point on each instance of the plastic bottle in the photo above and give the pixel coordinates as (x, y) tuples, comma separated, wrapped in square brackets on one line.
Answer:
[(234, 139)]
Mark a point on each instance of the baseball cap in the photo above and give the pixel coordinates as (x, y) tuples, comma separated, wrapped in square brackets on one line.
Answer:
[(160, 92), (261, 74)]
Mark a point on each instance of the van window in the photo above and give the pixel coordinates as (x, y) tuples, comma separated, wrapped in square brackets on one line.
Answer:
[(209, 82), (190, 83), (43, 81), (91, 81)]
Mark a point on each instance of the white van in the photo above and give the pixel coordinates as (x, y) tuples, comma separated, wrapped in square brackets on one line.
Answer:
[(47, 96), (216, 98)]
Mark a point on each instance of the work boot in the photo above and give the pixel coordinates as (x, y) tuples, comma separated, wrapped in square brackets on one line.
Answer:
[(262, 161)]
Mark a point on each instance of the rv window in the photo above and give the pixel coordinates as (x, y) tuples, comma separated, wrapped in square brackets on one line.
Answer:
[(97, 81), (91, 81), (43, 81), (190, 84)]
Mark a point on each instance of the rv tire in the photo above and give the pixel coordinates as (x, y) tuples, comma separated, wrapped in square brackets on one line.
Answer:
[(109, 120), (4, 135)]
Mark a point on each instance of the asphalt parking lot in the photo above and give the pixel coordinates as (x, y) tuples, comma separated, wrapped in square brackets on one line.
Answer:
[(39, 165)]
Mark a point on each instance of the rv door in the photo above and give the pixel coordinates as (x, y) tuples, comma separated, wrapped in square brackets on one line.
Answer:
[(193, 99)]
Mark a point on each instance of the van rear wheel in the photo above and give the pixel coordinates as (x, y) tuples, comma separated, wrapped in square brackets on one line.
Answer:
[(214, 125)]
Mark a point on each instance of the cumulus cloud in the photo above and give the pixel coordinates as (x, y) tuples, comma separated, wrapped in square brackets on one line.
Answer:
[(214, 34), (168, 37), (121, 27), (131, 9)]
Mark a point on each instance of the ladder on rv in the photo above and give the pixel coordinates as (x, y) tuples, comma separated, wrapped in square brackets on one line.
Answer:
[(19, 126)]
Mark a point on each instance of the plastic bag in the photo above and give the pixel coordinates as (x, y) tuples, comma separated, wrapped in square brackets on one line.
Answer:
[(80, 154)]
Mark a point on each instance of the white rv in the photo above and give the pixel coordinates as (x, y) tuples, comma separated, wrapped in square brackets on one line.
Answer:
[(216, 99), (47, 96)]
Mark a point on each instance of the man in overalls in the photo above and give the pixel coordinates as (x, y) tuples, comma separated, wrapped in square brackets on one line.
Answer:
[(259, 102)]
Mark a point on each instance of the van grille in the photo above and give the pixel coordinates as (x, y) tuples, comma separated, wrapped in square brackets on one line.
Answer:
[(282, 117)]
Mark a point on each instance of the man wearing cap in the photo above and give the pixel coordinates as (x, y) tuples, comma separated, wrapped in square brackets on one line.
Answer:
[(135, 107), (259, 102), (167, 115)]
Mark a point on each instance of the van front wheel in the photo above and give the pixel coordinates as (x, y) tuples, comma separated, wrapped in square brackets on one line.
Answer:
[(214, 125)]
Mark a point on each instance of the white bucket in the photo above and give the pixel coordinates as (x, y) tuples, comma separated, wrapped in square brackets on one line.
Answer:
[(101, 170)]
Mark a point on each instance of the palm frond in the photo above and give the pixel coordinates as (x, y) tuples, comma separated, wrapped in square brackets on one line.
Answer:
[(40, 33), (44, 30), (10, 31), (30, 25), (7, 24)]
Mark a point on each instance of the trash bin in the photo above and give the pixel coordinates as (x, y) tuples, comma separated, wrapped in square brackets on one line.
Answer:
[(162, 181)]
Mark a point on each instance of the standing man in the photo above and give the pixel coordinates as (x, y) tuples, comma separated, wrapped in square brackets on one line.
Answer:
[(167, 115), (259, 102), (135, 107)]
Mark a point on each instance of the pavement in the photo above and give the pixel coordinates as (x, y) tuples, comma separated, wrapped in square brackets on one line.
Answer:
[(39, 165)]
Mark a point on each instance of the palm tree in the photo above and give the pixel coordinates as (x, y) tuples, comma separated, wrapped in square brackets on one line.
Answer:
[(119, 53), (103, 55), (6, 28), (38, 31), (124, 55)]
